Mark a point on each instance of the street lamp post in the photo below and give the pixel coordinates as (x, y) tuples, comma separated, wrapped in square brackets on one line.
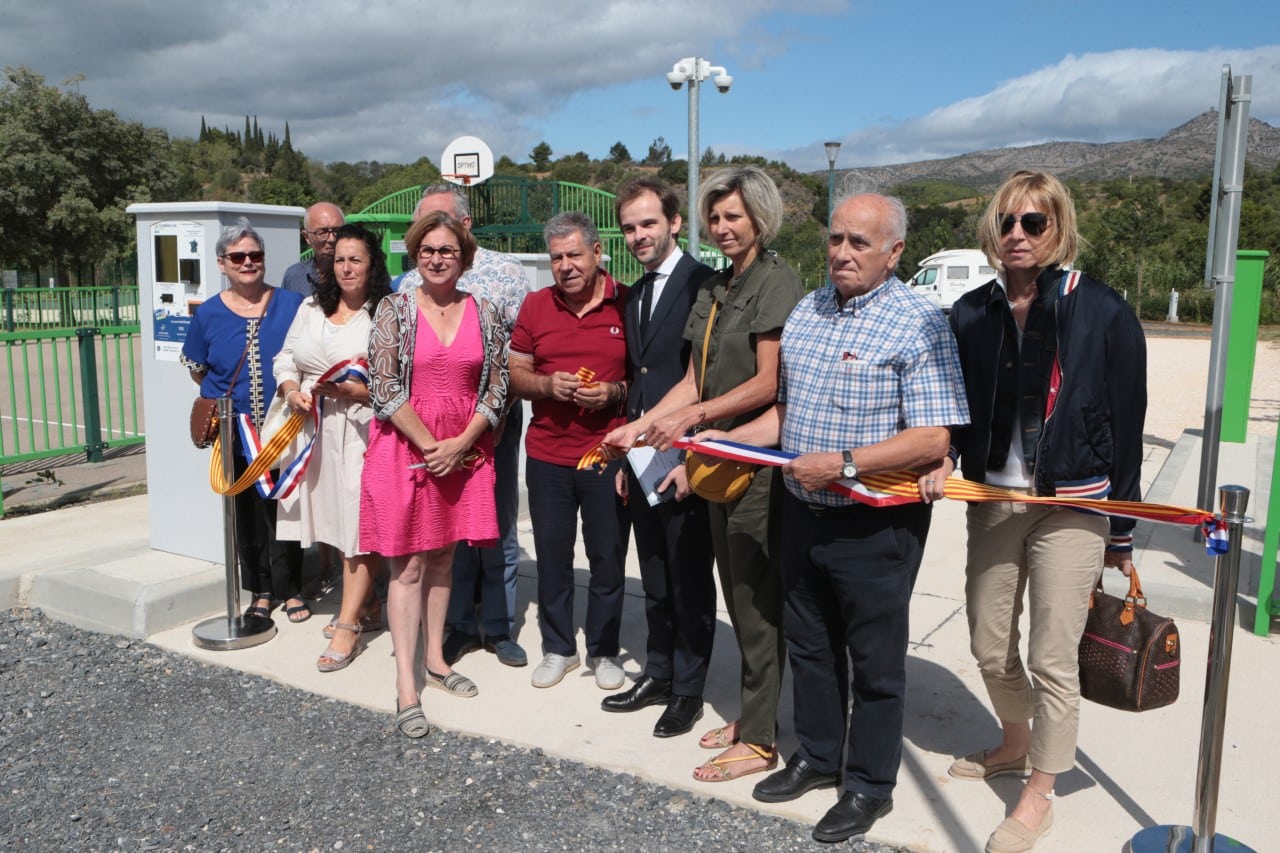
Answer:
[(833, 151), (693, 71)]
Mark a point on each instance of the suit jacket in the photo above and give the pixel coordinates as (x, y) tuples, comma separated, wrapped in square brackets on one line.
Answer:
[(659, 360)]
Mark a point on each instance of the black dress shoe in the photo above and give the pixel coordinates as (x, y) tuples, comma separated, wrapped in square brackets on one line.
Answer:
[(679, 717), (645, 692), (793, 781), (853, 815)]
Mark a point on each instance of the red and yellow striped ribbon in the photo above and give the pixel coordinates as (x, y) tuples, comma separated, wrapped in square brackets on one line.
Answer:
[(904, 483), (271, 453)]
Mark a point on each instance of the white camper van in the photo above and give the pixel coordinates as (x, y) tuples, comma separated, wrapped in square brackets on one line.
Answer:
[(946, 276)]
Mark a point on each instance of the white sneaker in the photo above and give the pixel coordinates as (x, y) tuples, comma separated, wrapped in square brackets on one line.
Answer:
[(552, 669), (609, 674)]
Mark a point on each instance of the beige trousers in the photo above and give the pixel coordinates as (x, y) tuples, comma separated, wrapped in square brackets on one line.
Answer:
[(1054, 557)]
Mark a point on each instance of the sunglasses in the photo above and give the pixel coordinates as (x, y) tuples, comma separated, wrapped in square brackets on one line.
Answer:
[(1033, 224), (238, 258)]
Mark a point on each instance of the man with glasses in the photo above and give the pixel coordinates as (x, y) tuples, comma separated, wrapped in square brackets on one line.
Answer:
[(499, 278), (319, 225)]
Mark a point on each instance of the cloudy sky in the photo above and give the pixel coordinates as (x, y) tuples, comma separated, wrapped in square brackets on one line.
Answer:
[(393, 80)]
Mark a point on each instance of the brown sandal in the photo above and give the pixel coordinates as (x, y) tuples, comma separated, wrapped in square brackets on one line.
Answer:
[(726, 774), (718, 738)]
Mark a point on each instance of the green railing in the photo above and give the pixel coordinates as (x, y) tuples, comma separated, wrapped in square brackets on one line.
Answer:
[(69, 391), (510, 211), (32, 308)]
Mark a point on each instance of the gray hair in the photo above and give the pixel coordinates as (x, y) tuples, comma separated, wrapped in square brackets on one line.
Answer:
[(570, 222), (461, 204), (759, 196), (895, 222), (232, 234)]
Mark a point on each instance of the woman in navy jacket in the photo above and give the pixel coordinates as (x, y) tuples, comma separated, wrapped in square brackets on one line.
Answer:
[(1055, 371)]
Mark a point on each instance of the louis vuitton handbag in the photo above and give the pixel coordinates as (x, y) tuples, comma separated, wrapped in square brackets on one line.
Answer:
[(1130, 658)]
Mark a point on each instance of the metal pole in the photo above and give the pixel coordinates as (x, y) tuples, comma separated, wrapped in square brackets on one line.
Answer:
[(226, 437), (93, 443), (235, 630), (1200, 836), (1225, 238), (694, 81), (1233, 500)]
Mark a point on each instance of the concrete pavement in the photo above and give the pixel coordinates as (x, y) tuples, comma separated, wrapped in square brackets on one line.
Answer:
[(91, 565)]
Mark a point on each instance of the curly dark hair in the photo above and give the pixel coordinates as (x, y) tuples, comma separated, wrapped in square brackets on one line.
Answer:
[(328, 294)]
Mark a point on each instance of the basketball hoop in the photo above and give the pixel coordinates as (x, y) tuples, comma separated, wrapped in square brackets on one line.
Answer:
[(468, 160)]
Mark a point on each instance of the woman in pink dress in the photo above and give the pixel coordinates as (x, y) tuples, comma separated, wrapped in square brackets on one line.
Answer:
[(438, 382)]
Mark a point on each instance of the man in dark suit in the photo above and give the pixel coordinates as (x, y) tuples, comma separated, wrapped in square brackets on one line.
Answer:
[(673, 541)]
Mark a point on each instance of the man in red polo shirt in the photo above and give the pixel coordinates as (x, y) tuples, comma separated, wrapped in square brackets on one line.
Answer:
[(569, 357)]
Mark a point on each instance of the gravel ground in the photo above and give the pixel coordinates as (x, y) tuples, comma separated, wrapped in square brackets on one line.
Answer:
[(113, 744)]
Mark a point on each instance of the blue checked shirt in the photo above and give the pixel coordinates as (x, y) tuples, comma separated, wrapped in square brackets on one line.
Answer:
[(861, 374)]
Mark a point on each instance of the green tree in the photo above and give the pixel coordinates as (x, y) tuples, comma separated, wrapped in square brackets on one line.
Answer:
[(66, 174), (659, 153), (618, 153), (276, 191), (541, 156), (395, 178)]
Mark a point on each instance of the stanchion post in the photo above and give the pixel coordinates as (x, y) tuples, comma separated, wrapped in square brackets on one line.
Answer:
[(1232, 503), (226, 437), (235, 630), (1200, 837)]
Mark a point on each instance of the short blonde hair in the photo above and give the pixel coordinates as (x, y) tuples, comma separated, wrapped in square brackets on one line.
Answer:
[(759, 193), (1047, 194)]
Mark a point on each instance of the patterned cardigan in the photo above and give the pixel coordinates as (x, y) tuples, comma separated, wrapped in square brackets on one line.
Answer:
[(391, 344)]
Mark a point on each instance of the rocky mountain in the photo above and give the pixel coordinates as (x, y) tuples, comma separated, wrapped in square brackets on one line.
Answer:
[(1184, 152)]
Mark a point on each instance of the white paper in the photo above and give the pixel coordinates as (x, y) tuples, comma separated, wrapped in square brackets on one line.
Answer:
[(651, 468)]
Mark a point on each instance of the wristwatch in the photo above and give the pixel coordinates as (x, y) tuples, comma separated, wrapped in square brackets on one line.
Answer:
[(850, 469)]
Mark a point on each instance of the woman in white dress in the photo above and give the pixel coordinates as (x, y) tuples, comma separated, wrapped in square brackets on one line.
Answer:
[(330, 328)]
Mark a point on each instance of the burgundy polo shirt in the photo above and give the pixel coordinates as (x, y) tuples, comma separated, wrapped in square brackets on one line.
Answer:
[(549, 332)]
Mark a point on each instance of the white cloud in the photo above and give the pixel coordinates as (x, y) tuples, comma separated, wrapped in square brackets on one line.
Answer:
[(384, 79), (1094, 97)]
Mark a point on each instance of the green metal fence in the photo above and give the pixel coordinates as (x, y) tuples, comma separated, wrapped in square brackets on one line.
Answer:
[(32, 308), (69, 390)]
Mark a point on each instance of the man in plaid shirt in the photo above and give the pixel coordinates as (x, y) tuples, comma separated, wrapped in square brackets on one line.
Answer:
[(870, 381)]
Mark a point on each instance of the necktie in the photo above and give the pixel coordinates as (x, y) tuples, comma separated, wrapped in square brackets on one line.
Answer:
[(646, 302)]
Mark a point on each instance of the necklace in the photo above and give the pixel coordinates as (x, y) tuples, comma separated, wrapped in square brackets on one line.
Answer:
[(441, 310)]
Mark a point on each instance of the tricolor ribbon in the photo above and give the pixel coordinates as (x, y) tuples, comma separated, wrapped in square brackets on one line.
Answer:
[(262, 458), (901, 487)]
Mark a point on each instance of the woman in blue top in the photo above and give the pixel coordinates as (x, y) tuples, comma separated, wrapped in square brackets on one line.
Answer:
[(248, 312)]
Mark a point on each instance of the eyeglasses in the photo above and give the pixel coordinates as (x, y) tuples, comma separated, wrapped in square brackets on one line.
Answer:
[(1033, 224), (238, 258), (446, 253), (324, 234)]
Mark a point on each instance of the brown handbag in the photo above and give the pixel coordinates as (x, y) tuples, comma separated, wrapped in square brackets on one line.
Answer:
[(1130, 658), (717, 480), (204, 421), (204, 410)]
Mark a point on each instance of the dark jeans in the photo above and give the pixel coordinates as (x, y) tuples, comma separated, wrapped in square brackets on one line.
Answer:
[(491, 572), (673, 546), (267, 565), (847, 576), (557, 493)]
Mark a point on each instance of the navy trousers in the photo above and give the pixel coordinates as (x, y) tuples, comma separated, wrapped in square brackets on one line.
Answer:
[(847, 578)]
